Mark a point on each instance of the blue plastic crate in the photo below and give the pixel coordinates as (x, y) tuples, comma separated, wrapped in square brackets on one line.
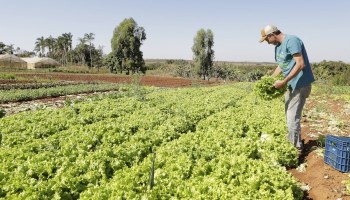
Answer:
[(337, 152)]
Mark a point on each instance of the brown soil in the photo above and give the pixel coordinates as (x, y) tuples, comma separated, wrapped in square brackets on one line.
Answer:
[(324, 181), (158, 81)]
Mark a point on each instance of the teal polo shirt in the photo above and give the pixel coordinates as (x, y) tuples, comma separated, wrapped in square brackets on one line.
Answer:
[(284, 57)]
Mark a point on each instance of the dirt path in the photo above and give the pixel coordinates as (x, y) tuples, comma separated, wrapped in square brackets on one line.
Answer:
[(322, 116), (55, 102)]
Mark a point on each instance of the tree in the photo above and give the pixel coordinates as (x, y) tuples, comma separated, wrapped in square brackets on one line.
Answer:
[(40, 45), (89, 37), (58, 52), (126, 42), (50, 42), (61, 49), (80, 50), (9, 48), (62, 46), (2, 47), (203, 54), (84, 53), (98, 58), (111, 61), (67, 45)]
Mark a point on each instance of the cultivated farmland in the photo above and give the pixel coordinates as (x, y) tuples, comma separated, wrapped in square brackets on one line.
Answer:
[(219, 142)]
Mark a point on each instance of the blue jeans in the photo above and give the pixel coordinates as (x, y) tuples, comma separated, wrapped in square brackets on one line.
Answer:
[(294, 104)]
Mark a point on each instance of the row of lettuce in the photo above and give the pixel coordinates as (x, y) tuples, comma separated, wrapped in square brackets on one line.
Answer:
[(195, 143), (53, 90), (46, 88)]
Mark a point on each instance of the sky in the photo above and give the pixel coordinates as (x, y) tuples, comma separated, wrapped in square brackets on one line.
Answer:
[(171, 26)]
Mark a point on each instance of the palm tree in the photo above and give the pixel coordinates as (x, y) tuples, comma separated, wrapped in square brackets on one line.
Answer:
[(67, 39), (63, 46), (50, 43), (89, 37), (80, 49), (60, 49), (40, 46)]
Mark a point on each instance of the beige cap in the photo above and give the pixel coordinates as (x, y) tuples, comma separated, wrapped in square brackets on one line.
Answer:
[(266, 31)]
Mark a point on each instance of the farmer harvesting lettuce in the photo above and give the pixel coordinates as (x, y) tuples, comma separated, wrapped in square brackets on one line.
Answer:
[(293, 63)]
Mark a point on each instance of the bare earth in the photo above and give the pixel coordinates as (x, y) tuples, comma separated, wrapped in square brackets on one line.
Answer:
[(322, 116)]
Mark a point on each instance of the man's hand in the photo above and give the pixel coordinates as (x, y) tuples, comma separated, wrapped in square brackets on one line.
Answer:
[(279, 84)]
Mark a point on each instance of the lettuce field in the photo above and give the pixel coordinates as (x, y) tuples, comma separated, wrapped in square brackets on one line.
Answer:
[(218, 142)]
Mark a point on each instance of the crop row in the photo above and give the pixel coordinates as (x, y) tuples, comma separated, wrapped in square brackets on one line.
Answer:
[(35, 85), (61, 153), (238, 153), (30, 94)]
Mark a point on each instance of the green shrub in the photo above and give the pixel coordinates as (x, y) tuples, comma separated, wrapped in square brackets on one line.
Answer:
[(8, 76), (2, 113), (337, 73), (342, 78)]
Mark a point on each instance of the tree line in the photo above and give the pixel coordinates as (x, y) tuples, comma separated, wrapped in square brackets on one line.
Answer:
[(126, 56), (61, 49), (85, 53)]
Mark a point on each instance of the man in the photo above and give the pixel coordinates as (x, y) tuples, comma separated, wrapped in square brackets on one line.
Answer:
[(293, 63)]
